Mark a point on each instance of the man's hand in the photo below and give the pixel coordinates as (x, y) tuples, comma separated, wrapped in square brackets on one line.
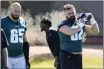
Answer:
[(5, 68), (85, 17), (93, 28), (27, 65), (91, 18), (56, 62), (80, 24), (82, 18)]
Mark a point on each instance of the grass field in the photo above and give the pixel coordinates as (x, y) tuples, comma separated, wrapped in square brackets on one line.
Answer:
[(47, 63)]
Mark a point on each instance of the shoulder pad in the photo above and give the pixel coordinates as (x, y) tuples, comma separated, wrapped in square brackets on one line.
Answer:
[(22, 22), (3, 17), (21, 18), (62, 23)]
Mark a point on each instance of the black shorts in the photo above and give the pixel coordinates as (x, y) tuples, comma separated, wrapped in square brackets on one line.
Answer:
[(70, 61)]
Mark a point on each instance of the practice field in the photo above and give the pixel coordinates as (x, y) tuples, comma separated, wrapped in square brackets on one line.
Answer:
[(88, 63), (92, 59)]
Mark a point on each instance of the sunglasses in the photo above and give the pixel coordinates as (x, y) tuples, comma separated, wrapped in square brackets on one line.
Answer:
[(67, 8)]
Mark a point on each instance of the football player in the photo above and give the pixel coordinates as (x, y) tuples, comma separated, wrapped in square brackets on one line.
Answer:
[(71, 33), (15, 29)]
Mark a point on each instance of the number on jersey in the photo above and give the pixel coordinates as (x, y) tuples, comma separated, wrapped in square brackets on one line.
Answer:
[(16, 35), (77, 36)]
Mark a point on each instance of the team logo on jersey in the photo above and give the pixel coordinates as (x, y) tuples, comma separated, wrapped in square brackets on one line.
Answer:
[(23, 23)]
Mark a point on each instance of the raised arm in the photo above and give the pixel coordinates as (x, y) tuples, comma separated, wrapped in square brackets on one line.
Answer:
[(92, 29)]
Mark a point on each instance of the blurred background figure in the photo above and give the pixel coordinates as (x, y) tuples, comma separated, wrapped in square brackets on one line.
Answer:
[(53, 40)]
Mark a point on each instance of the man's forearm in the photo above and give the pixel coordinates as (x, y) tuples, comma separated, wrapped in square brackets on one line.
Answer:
[(95, 28), (5, 57), (69, 31), (26, 50), (26, 47)]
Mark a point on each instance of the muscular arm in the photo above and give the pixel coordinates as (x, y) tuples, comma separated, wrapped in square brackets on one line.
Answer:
[(4, 48), (92, 29), (69, 31), (5, 57), (26, 48), (25, 37)]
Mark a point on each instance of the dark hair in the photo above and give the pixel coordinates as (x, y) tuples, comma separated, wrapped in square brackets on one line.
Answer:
[(47, 22)]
